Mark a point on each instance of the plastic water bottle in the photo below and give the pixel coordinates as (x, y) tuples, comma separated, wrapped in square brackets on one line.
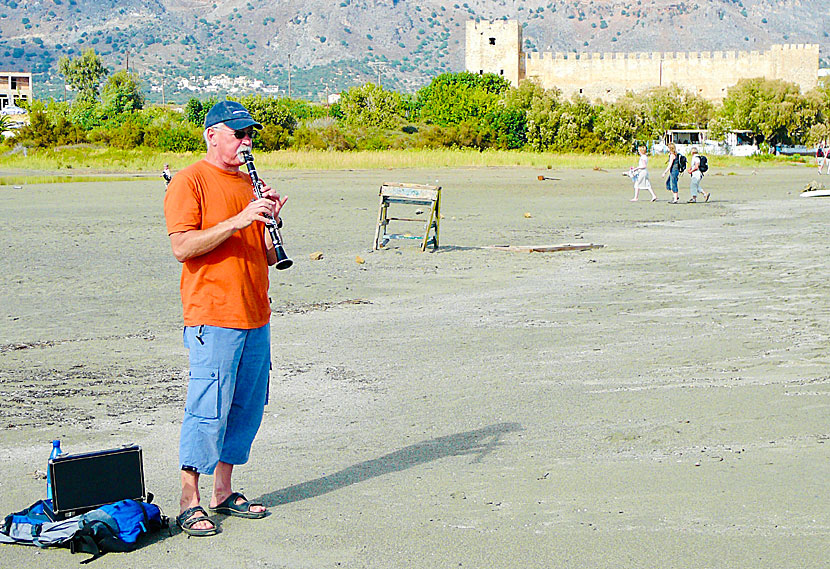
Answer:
[(56, 451)]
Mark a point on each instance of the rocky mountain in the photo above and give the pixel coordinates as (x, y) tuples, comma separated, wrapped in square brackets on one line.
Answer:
[(331, 45)]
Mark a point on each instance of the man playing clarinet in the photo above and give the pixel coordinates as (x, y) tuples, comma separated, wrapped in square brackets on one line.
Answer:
[(217, 232)]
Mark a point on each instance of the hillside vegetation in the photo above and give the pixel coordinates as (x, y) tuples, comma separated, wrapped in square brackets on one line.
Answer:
[(455, 110), (336, 44)]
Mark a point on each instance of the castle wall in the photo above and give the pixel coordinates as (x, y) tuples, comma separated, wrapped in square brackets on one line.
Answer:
[(608, 76)]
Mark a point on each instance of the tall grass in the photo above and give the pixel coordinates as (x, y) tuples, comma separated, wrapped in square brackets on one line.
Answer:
[(85, 159)]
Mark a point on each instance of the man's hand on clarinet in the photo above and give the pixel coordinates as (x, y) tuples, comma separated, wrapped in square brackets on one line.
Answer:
[(271, 194), (260, 209), (257, 210)]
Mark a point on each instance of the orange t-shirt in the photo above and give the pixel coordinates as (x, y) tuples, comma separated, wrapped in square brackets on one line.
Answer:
[(228, 286)]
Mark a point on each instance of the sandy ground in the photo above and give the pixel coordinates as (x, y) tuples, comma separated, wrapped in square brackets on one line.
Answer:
[(661, 402)]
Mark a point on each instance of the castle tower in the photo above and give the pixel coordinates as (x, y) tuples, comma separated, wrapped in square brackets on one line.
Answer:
[(496, 47)]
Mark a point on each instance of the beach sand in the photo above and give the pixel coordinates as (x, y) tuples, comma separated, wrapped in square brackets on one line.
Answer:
[(663, 401)]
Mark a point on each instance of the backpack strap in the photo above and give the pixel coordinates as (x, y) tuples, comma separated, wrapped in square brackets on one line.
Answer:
[(83, 542), (145, 525)]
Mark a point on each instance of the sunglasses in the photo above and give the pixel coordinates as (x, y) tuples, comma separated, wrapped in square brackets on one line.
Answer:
[(240, 134)]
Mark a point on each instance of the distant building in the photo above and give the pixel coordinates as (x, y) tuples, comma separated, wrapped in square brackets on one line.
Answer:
[(14, 88), (496, 47)]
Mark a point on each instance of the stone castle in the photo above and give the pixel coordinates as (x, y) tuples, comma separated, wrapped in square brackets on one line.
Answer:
[(496, 47)]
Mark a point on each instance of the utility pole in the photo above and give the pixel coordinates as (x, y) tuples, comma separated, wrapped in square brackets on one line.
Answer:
[(128, 61), (377, 66), (162, 87), (289, 75)]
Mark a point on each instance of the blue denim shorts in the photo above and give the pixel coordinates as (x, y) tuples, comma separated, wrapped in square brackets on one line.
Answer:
[(671, 181), (226, 394)]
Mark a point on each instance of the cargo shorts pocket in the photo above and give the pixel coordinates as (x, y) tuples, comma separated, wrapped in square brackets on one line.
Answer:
[(203, 393)]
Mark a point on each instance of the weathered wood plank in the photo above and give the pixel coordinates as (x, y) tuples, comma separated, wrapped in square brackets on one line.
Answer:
[(544, 248)]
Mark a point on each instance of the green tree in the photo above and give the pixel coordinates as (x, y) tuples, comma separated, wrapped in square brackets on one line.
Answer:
[(619, 123), (657, 110), (369, 105), (196, 110), (543, 115), (269, 111), (455, 98), (775, 109), (122, 93), (46, 132), (84, 73), (818, 132), (526, 94), (509, 127), (193, 112), (576, 124), (272, 137), (86, 112)]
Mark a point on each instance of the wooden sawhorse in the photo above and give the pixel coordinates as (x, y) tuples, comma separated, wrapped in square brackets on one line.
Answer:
[(413, 194)]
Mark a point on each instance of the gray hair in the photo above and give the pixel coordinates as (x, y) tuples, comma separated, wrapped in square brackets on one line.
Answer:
[(205, 133)]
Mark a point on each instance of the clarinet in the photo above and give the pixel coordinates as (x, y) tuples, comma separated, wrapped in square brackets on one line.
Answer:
[(283, 262)]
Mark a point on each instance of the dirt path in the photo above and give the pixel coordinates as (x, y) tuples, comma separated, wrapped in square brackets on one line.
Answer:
[(661, 402)]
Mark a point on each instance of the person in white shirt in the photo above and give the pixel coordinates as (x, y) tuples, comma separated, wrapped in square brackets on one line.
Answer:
[(697, 175), (639, 174)]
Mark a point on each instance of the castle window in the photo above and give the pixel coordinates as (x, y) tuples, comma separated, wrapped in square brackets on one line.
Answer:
[(580, 91), (492, 41), (501, 71), (481, 72)]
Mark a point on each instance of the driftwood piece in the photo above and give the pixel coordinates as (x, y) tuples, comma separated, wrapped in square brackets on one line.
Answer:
[(545, 248)]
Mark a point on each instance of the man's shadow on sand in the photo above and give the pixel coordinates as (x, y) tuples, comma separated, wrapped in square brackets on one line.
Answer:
[(480, 443)]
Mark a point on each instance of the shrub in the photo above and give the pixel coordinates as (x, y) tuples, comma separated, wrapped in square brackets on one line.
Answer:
[(173, 137), (509, 128), (328, 137), (128, 134), (272, 137), (268, 110), (369, 105), (45, 133)]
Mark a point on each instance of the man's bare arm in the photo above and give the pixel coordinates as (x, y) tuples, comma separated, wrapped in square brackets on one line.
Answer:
[(189, 244)]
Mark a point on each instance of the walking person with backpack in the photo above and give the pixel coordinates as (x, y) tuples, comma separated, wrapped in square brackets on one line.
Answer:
[(639, 174), (699, 166), (823, 156), (675, 166)]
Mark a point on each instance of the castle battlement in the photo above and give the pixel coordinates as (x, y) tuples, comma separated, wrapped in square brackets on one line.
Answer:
[(802, 49), (496, 47)]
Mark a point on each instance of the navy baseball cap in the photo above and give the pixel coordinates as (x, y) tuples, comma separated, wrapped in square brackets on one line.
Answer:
[(231, 113)]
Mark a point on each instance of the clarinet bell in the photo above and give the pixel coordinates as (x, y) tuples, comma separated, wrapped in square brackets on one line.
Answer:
[(283, 262)]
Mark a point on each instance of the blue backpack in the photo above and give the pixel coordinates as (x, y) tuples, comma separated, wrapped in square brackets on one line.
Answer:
[(110, 528), (37, 525), (116, 527)]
